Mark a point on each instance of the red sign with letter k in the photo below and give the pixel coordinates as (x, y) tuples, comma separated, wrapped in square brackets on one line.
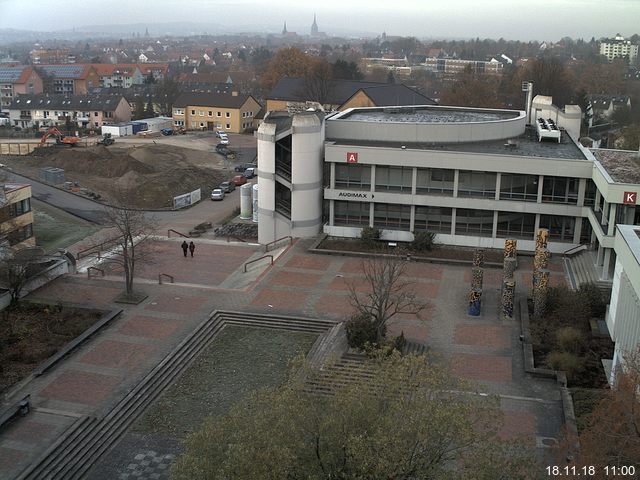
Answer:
[(630, 198)]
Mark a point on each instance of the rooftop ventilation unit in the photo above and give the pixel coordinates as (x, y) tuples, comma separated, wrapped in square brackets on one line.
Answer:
[(547, 130)]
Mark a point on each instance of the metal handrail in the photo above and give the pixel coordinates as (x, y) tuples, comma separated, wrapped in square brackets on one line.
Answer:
[(175, 231), (266, 247), (97, 248), (170, 277), (96, 269), (573, 250), (253, 261)]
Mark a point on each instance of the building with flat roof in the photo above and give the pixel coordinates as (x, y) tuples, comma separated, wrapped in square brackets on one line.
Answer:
[(619, 47), (474, 177)]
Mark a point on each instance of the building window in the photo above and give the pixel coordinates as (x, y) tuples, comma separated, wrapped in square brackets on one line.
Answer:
[(519, 187), (474, 222), (560, 228), (392, 216), (351, 213), (349, 175), (560, 190), (394, 179), (433, 219), (20, 234), (201, 124), (201, 113), (179, 123), (476, 184), (95, 114), (435, 181), (516, 225), (218, 114), (210, 113), (228, 126), (226, 114), (193, 112)]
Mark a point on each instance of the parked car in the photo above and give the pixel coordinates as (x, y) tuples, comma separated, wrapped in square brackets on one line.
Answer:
[(167, 131), (228, 187), (249, 172), (239, 180), (222, 149), (242, 167), (217, 194), (224, 140), (220, 134)]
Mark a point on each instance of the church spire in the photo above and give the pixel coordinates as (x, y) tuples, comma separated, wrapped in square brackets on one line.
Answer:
[(284, 30), (314, 26)]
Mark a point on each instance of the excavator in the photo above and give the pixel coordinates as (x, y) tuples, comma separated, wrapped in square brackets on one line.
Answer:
[(60, 138)]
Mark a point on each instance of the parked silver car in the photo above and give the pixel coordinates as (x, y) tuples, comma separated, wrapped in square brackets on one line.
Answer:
[(217, 194)]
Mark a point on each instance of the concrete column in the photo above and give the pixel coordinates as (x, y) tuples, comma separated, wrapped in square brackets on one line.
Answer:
[(332, 180), (582, 188), (453, 221), (373, 179), (536, 224), (600, 256), (494, 228), (596, 200), (456, 179), (498, 183), (606, 264), (412, 218), (605, 213), (540, 185), (612, 219), (414, 184), (371, 214), (577, 230), (629, 215)]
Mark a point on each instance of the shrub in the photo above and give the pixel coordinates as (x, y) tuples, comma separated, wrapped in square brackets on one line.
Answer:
[(369, 236), (423, 241), (593, 298), (568, 362), (399, 342), (570, 339), (360, 331)]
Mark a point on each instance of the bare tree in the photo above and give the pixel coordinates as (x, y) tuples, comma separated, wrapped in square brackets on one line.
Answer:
[(134, 228), (318, 82), (388, 293)]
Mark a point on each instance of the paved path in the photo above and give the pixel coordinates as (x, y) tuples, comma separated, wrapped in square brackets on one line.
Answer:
[(91, 380)]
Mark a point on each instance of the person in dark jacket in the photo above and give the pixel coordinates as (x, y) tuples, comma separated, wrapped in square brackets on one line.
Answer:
[(192, 247), (185, 247)]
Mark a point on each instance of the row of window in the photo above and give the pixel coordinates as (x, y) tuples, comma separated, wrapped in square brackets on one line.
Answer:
[(20, 234), (439, 219), (470, 183), (210, 113), (15, 209)]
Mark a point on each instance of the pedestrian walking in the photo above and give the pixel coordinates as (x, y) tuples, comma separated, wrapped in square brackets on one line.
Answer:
[(185, 247), (192, 247)]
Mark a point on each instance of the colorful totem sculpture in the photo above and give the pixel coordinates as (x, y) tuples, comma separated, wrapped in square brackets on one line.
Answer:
[(541, 293), (508, 295), (475, 301), (478, 258)]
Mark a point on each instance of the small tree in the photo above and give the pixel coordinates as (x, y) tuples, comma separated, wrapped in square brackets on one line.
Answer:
[(149, 111), (387, 293), (423, 241), (134, 228), (138, 111), (369, 236), (403, 421)]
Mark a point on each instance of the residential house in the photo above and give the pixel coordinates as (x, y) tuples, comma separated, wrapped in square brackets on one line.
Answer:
[(293, 94), (619, 47), (16, 217), (68, 79), (603, 106), (17, 80), (208, 111), (51, 55), (120, 75), (157, 71), (88, 111)]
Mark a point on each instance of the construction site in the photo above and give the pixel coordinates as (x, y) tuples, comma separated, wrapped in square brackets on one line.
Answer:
[(157, 171)]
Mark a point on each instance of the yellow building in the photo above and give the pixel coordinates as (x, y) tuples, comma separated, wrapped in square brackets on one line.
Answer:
[(229, 112), (16, 217)]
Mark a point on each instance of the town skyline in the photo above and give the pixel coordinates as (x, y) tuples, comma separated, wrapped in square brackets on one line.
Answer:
[(496, 19)]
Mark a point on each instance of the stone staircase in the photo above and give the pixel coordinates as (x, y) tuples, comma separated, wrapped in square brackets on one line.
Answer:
[(581, 270), (80, 447)]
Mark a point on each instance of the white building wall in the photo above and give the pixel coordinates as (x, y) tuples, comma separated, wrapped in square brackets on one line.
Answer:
[(266, 136)]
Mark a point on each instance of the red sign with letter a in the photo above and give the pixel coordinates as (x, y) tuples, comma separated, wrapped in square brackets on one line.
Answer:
[(630, 198), (352, 157)]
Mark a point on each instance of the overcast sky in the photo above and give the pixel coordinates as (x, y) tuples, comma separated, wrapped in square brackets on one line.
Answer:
[(511, 19)]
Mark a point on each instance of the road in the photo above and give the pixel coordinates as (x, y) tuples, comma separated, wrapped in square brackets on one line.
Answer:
[(205, 211)]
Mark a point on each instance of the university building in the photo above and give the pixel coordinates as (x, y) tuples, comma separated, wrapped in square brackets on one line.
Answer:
[(472, 176)]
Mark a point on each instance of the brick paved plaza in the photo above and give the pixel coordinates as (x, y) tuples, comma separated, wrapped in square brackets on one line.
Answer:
[(484, 349)]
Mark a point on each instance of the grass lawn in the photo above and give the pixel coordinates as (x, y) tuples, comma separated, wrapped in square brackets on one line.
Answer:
[(55, 228), (237, 362)]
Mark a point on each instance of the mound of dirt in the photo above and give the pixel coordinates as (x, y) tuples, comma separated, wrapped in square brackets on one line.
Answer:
[(156, 172)]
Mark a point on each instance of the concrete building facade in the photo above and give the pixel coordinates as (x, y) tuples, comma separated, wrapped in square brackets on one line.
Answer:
[(208, 111), (16, 216), (619, 47)]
